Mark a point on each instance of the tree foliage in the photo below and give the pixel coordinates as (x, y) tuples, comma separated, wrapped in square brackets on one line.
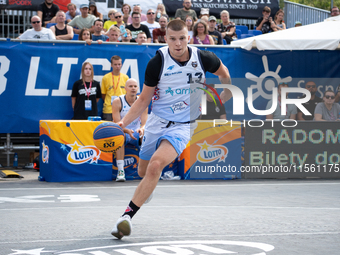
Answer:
[(322, 4)]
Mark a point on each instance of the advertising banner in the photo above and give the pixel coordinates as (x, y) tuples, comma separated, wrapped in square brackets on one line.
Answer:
[(292, 150), (36, 79)]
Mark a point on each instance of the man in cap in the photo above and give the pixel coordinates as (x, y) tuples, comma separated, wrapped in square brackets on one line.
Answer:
[(85, 20), (217, 37)]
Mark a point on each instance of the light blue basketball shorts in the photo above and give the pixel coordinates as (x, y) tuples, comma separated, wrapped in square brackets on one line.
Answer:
[(158, 129)]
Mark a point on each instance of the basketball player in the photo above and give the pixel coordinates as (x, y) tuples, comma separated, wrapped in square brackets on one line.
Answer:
[(120, 107), (171, 79)]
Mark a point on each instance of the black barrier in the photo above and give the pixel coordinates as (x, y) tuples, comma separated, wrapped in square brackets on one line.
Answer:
[(292, 149)]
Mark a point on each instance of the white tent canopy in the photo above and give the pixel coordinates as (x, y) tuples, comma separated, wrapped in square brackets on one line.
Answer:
[(318, 36)]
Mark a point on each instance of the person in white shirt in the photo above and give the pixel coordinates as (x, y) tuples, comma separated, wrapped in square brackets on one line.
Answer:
[(150, 22), (37, 32)]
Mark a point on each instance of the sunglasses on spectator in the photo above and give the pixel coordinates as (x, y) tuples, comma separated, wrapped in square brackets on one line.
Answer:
[(149, 13), (311, 86), (118, 16), (34, 22), (330, 97)]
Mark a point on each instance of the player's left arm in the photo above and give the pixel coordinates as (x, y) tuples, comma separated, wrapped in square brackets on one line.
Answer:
[(143, 117), (224, 77)]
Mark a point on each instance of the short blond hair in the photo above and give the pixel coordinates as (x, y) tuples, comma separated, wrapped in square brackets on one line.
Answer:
[(114, 28)]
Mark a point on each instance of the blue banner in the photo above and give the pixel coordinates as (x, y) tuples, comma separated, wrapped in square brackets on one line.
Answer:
[(36, 79)]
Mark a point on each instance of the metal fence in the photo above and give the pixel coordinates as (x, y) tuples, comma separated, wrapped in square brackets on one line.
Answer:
[(13, 23), (303, 13)]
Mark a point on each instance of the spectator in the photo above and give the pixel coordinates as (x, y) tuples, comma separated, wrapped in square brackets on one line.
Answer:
[(111, 21), (85, 94), (47, 11), (278, 20), (205, 19), (112, 86), (201, 35), (311, 104), (128, 36), (93, 10), (214, 111), (61, 30), (141, 38), (216, 36), (72, 12), (37, 32), (137, 8), (126, 9), (190, 26), (151, 23), (113, 34), (85, 20), (98, 28), (119, 19), (335, 11), (85, 35), (328, 109), (161, 12), (337, 97), (159, 33), (204, 13), (265, 23), (298, 24), (136, 27), (182, 13), (291, 109), (226, 27), (120, 107)]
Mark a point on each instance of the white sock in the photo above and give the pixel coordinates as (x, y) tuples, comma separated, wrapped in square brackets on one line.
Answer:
[(120, 165)]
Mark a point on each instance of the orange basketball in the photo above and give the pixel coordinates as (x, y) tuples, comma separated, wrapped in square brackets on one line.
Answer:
[(108, 137)]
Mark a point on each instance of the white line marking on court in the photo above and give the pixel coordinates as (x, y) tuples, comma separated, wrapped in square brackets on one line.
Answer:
[(184, 185), (177, 237), (175, 206)]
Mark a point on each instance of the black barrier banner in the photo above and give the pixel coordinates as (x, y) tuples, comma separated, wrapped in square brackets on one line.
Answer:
[(291, 148), (250, 9)]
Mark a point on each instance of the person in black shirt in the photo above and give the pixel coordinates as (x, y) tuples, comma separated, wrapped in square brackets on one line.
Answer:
[(85, 94), (265, 23), (136, 27), (47, 12), (311, 104)]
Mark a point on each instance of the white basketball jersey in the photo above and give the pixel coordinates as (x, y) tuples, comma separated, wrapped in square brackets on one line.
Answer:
[(134, 125), (179, 91)]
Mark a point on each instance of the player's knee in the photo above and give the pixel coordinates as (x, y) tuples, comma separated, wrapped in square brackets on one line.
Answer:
[(155, 168), (141, 172)]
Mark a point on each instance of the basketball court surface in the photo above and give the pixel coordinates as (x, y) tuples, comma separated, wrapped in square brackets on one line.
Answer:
[(243, 217)]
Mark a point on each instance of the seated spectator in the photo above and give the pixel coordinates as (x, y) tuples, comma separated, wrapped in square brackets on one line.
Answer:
[(85, 20), (161, 12), (61, 30), (111, 21), (205, 19), (98, 29), (126, 9), (311, 104), (93, 10), (216, 36), (335, 11), (201, 35), (265, 23), (85, 35), (213, 111), (278, 20), (136, 27), (47, 11), (113, 34), (150, 22), (85, 94), (141, 38), (337, 94), (204, 13), (182, 13), (190, 26), (328, 109), (119, 19), (128, 36), (159, 33), (226, 27), (37, 32), (137, 8), (298, 24), (291, 109), (72, 12)]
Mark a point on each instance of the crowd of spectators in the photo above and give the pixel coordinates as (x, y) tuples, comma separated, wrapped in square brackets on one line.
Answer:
[(129, 24)]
